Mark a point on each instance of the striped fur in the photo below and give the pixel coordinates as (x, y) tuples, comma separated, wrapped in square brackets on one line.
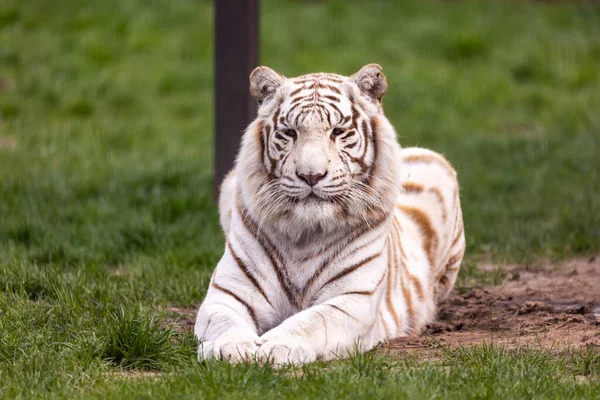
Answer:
[(336, 237)]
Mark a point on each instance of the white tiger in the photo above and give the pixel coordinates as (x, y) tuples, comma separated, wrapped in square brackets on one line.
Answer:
[(336, 238)]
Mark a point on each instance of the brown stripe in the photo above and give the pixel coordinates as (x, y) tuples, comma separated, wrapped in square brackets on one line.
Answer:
[(332, 105), (298, 99), (453, 264), (445, 281), (266, 137), (453, 269), (360, 161), (332, 98), (340, 310), (438, 193), (341, 245), (458, 235), (429, 159), (273, 163), (295, 92), (242, 302), (259, 136), (409, 302), (332, 88), (242, 265), (414, 280), (355, 116), (365, 129), (417, 285), (327, 262), (374, 143), (278, 147), (395, 228), (325, 330), (303, 79), (455, 258), (323, 104), (404, 261), (271, 252), (390, 280), (348, 133), (326, 111), (275, 116), (367, 292), (321, 111), (386, 329), (412, 187), (333, 78), (349, 270), (292, 108), (420, 218)]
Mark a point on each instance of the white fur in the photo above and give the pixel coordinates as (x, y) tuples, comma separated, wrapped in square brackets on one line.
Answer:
[(313, 315)]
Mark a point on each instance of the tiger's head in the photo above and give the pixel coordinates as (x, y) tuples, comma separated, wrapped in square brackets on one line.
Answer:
[(321, 155)]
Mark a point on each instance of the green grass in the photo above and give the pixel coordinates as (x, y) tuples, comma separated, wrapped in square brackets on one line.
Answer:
[(107, 218)]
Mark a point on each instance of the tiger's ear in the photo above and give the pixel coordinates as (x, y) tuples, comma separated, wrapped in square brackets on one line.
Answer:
[(371, 82), (264, 82)]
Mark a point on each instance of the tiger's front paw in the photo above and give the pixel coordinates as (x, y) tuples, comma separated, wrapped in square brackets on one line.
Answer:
[(285, 349), (230, 348)]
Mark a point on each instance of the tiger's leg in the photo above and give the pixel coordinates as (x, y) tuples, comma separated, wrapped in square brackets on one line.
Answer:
[(224, 328), (226, 324), (449, 269), (230, 317), (226, 200), (340, 322)]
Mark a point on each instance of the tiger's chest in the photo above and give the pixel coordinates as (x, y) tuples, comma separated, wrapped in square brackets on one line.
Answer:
[(304, 274)]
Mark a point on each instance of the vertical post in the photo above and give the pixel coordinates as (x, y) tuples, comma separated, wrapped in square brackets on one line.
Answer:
[(236, 55)]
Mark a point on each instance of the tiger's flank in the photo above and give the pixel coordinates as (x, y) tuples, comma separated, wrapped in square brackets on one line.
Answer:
[(336, 236)]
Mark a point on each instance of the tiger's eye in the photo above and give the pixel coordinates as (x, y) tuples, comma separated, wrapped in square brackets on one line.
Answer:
[(290, 133), (338, 131)]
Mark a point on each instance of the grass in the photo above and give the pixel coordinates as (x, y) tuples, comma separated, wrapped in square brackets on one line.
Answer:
[(107, 219)]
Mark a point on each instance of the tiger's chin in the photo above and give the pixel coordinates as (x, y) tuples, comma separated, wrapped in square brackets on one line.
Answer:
[(311, 217), (311, 214), (313, 209)]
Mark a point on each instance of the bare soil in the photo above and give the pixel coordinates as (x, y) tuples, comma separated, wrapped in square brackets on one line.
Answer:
[(555, 308), (134, 374), (182, 318), (7, 142)]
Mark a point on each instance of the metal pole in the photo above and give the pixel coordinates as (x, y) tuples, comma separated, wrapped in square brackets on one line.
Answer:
[(236, 55)]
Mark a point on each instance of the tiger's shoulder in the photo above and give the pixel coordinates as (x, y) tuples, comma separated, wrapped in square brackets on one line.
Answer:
[(227, 200)]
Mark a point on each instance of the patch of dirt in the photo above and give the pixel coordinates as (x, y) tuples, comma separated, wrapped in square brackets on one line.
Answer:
[(134, 374), (555, 309), (182, 318), (7, 142), (6, 85)]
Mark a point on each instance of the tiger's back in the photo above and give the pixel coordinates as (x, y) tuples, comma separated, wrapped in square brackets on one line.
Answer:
[(425, 244)]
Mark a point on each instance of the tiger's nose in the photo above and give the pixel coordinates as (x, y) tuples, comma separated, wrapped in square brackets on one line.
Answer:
[(311, 179)]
